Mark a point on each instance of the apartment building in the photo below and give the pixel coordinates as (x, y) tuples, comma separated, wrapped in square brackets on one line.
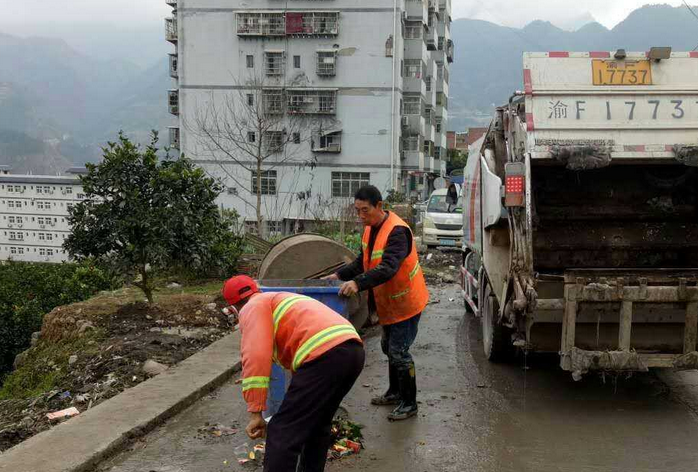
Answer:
[(34, 215), (362, 86)]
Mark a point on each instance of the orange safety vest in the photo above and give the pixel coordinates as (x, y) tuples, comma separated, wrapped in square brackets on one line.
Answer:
[(406, 294), (288, 329)]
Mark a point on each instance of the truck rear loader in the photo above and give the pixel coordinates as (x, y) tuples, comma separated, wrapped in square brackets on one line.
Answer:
[(581, 213)]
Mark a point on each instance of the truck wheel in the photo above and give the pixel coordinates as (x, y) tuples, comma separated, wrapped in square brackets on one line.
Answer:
[(496, 339)]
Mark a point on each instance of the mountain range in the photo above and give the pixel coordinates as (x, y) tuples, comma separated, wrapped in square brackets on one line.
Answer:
[(58, 106)]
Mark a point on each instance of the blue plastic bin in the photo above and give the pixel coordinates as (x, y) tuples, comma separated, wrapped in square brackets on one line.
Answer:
[(325, 291)]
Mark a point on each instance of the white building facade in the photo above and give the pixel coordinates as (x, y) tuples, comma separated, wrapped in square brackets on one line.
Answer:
[(34, 216), (370, 76)]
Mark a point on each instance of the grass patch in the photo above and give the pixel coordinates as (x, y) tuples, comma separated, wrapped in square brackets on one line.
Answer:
[(212, 287), (46, 365)]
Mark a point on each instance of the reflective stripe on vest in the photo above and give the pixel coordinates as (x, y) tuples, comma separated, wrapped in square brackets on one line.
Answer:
[(284, 306), (375, 255), (318, 340), (414, 271), (255, 382)]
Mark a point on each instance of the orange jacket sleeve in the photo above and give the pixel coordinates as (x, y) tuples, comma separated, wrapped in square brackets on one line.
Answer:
[(257, 350)]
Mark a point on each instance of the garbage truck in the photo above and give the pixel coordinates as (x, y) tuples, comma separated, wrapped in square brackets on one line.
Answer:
[(580, 213)]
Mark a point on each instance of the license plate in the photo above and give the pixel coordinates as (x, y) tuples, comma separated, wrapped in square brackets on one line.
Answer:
[(621, 72), (447, 242)]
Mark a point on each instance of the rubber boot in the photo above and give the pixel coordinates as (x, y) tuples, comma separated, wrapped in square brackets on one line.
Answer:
[(392, 396), (408, 392)]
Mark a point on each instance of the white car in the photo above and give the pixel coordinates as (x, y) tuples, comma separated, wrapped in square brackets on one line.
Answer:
[(443, 221)]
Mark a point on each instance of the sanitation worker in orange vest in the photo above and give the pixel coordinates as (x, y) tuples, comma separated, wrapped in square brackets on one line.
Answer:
[(388, 267), (318, 345)]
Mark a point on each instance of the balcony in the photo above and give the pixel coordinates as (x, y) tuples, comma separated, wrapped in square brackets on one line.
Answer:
[(174, 137), (312, 101), (171, 30), (417, 9), (318, 23), (172, 3), (173, 66), (449, 51), (273, 100), (312, 23), (173, 101), (261, 24)]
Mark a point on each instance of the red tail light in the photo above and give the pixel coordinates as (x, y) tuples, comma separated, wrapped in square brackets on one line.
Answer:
[(515, 184)]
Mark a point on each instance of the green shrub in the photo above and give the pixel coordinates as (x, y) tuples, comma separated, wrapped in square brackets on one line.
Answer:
[(29, 291)]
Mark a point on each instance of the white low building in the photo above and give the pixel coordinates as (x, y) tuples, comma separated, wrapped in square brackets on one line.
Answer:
[(34, 215)]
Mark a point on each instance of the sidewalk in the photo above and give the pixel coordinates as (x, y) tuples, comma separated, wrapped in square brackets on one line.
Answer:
[(82, 442)]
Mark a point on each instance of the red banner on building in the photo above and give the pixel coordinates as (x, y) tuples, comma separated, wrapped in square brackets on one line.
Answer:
[(294, 23)]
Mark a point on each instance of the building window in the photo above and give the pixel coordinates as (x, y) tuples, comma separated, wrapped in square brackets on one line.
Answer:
[(345, 184), (250, 99), (326, 63), (174, 137), (49, 252), (413, 29), (428, 82), (441, 43), (69, 190), (274, 141), (42, 236), (411, 143), (438, 124), (413, 68), (442, 100), (173, 101), (412, 104), (251, 137), (296, 138), (261, 24), (274, 63), (273, 101), (315, 101), (250, 61), (296, 62), (268, 182), (42, 251), (80, 196), (328, 141)]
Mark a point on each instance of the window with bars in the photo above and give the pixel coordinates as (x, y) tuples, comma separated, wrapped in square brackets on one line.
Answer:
[(413, 69), (411, 143), (428, 115), (326, 63), (250, 99), (428, 82), (438, 122), (173, 101), (274, 141), (413, 29), (250, 61), (345, 184), (412, 104), (296, 62), (274, 63), (251, 137), (273, 101), (441, 43), (312, 101), (268, 183), (261, 24)]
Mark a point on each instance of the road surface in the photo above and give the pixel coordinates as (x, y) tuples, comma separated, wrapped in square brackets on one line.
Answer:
[(474, 416)]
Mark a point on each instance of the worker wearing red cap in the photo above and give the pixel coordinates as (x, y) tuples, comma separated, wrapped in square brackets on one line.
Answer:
[(320, 347)]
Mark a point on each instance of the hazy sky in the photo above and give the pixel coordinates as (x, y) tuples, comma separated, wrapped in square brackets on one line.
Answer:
[(562, 12), (135, 12)]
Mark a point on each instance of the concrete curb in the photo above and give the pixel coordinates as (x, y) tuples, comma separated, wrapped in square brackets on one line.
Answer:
[(80, 443)]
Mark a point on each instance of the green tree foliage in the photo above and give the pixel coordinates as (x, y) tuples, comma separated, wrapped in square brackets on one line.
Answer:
[(29, 291), (456, 159), (147, 215)]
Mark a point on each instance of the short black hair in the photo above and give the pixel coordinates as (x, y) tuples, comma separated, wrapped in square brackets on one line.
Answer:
[(369, 194)]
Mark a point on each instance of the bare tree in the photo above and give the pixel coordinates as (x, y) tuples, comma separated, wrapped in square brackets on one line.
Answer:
[(254, 126)]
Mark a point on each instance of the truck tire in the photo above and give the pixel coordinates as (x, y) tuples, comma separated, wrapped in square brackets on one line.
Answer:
[(496, 339)]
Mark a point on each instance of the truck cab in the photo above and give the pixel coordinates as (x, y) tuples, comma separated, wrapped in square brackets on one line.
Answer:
[(442, 223)]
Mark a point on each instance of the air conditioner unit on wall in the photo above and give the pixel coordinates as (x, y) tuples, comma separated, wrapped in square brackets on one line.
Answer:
[(405, 121)]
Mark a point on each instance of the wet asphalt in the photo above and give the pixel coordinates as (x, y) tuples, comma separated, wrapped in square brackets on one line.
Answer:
[(474, 415)]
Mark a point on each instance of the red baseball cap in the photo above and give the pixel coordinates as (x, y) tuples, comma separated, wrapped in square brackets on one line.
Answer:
[(238, 288)]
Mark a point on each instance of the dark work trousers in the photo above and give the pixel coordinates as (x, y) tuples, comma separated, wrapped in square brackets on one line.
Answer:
[(303, 423), (397, 340)]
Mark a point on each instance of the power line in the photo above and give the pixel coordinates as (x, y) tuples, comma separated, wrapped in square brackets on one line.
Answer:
[(692, 13)]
